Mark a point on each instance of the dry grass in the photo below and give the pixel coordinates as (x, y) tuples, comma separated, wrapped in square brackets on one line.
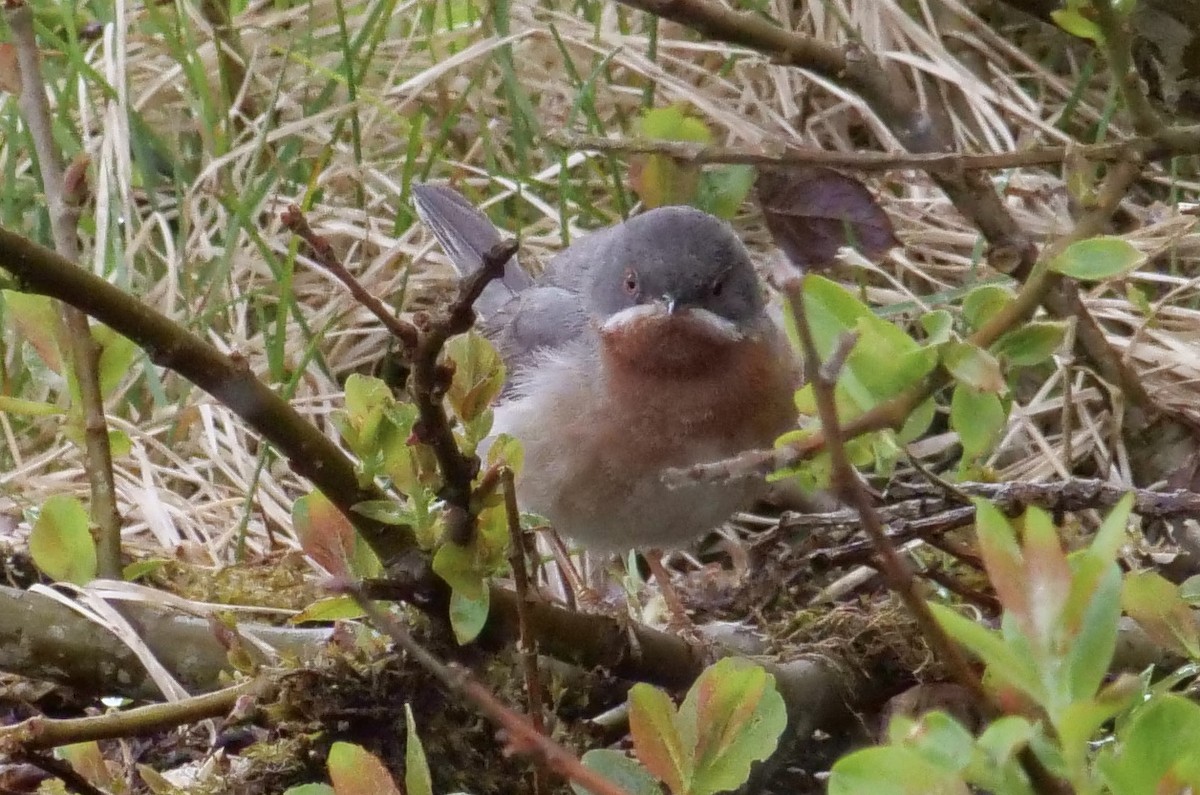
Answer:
[(209, 250)]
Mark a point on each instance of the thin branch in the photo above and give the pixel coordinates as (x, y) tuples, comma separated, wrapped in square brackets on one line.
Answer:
[(41, 733), (75, 332), (323, 254), (522, 737), (1167, 144)]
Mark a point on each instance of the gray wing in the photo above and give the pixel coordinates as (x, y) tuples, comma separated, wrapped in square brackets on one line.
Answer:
[(466, 235), (539, 319)]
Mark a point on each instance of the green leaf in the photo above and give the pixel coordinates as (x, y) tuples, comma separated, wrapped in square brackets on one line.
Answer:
[(355, 771), (978, 418), (621, 770), (333, 608), (656, 739), (1157, 754), (891, 770), (310, 789), (116, 357), (1111, 535), (1075, 23), (973, 366), (938, 326), (478, 375), (1032, 343), (736, 716), (1090, 651), (1154, 602), (1004, 663), (417, 779), (723, 189), (1098, 258), (468, 614), (61, 543), (983, 303), (673, 123), (36, 319), (456, 565), (941, 740)]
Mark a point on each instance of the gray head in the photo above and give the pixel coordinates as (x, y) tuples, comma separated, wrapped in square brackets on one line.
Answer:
[(676, 259)]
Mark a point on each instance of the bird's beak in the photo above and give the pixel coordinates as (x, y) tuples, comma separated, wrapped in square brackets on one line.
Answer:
[(672, 304)]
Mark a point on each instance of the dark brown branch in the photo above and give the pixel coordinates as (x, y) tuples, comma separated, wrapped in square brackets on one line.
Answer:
[(323, 254), (428, 385)]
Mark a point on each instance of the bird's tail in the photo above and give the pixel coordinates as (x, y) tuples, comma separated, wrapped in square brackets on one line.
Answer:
[(466, 235)]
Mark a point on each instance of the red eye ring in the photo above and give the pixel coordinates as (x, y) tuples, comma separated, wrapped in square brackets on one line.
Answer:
[(631, 281)]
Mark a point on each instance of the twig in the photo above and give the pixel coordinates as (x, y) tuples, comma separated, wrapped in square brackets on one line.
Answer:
[(41, 733), (1182, 140), (323, 254), (526, 644), (520, 734), (75, 332), (62, 770), (428, 383)]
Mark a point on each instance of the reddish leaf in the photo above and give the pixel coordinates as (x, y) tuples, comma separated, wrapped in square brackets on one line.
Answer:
[(355, 771), (811, 212), (656, 738), (324, 533), (10, 70)]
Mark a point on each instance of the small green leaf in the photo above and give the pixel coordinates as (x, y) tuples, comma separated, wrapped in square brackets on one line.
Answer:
[(417, 779), (478, 375), (978, 418), (1075, 23), (310, 789), (140, 568), (1158, 751), (468, 614), (673, 123), (892, 770), (116, 357), (1154, 602), (983, 303), (1004, 663), (1031, 344), (621, 770), (29, 408), (1090, 652), (61, 543), (384, 511), (355, 771), (973, 366), (1097, 259), (736, 716), (656, 739), (723, 189), (938, 326), (941, 740), (456, 565), (333, 608)]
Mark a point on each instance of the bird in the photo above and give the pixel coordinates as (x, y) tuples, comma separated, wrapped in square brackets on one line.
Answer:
[(643, 346)]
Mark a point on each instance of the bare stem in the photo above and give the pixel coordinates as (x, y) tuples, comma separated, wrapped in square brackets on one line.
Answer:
[(75, 332)]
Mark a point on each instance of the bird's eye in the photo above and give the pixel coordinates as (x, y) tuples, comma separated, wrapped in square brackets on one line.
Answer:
[(631, 282)]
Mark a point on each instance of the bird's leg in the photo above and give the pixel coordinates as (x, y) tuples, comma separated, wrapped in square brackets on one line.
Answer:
[(679, 622)]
